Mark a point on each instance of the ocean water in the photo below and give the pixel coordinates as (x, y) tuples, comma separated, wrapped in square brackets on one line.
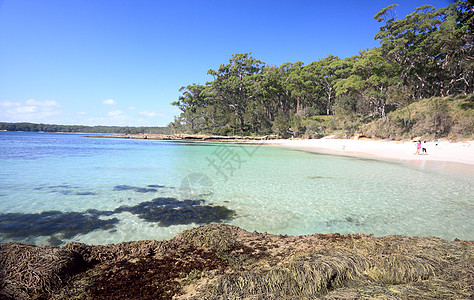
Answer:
[(59, 188)]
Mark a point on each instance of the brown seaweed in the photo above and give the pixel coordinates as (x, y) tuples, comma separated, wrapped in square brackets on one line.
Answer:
[(225, 262)]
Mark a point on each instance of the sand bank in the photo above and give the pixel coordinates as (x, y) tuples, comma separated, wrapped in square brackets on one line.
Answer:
[(445, 151)]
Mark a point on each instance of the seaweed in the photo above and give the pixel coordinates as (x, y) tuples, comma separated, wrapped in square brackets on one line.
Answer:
[(124, 187), (85, 193), (149, 189), (64, 189), (171, 211), (64, 225), (30, 272), (304, 276), (49, 223), (220, 261)]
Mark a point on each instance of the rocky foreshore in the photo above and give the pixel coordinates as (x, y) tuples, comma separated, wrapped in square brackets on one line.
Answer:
[(188, 137), (225, 262)]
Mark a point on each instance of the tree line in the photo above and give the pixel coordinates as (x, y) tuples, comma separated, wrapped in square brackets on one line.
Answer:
[(429, 53), (34, 127)]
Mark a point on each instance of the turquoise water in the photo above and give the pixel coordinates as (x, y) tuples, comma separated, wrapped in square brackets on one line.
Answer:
[(58, 188)]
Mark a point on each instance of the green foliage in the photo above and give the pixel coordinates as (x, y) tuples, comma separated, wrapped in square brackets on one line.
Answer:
[(281, 125), (432, 50), (317, 126), (426, 54)]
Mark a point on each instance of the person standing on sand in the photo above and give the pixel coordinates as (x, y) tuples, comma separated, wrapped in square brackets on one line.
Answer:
[(418, 147), (424, 148)]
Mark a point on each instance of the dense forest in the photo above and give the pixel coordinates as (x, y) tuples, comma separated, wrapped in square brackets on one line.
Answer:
[(80, 128), (429, 54)]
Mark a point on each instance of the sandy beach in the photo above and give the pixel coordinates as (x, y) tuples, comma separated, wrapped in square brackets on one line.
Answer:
[(445, 151)]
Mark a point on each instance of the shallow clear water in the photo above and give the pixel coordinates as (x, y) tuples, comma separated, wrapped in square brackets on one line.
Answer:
[(57, 188)]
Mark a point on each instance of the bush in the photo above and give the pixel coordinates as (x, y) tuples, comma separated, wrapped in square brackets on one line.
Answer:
[(430, 118)]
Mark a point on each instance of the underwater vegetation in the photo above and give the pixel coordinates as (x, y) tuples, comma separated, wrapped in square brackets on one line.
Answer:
[(58, 225), (171, 211), (63, 225), (149, 189), (64, 189)]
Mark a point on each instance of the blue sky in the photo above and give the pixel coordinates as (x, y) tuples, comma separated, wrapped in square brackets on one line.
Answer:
[(122, 62)]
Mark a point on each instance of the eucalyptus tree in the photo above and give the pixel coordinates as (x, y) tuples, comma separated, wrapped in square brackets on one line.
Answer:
[(371, 76), (269, 100), (433, 52), (345, 93), (401, 96), (234, 84), (428, 53), (294, 83), (323, 76), (455, 43), (405, 41), (192, 101)]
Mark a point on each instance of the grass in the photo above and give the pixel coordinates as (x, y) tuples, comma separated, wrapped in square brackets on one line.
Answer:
[(451, 117)]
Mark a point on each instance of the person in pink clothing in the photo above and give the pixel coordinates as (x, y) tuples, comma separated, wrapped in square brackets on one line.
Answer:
[(418, 148)]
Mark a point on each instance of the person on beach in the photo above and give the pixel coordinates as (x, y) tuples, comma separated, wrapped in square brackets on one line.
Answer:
[(418, 147), (423, 150)]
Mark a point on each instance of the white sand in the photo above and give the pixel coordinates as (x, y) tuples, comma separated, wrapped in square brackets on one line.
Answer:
[(461, 152)]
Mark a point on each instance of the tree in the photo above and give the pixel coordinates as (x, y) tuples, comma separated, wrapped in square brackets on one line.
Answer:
[(427, 53), (432, 48), (455, 45), (233, 85), (194, 97), (401, 96), (323, 76), (370, 78)]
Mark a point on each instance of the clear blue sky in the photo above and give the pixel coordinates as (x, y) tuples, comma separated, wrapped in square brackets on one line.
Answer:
[(122, 62)]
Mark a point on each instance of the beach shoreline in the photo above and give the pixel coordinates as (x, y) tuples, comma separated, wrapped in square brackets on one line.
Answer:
[(461, 152), (445, 151)]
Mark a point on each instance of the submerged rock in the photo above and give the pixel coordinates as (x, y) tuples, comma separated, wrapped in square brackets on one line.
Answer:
[(225, 262)]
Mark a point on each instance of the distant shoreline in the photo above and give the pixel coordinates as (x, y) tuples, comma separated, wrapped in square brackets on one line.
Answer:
[(188, 137)]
